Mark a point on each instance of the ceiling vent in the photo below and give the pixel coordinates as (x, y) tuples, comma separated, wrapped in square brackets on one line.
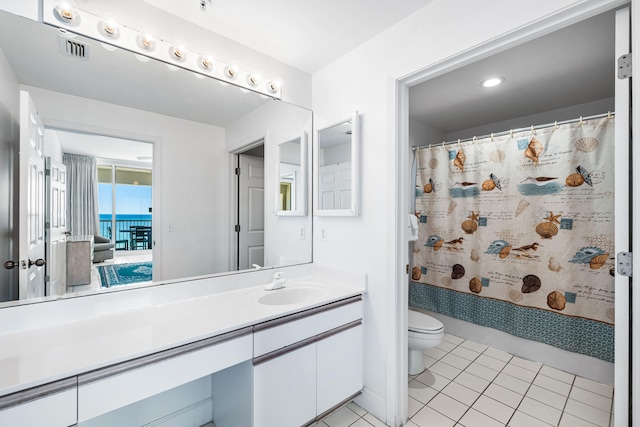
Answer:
[(73, 48)]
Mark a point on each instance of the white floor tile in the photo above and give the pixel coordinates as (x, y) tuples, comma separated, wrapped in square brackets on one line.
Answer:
[(433, 380), (471, 345), (498, 354), (374, 421), (452, 339), (461, 393), (357, 409), (503, 395), (602, 389), (448, 406), (526, 364), (435, 353), (456, 361), (428, 417), (411, 424), (557, 374), (539, 410), (491, 362), (474, 418), (518, 372), (511, 383), (482, 371), (421, 392), (414, 406), (343, 417), (465, 353), (520, 419), (552, 384), (586, 412), (445, 370), (569, 420), (471, 381), (590, 398), (446, 346), (428, 361), (360, 423), (547, 397), (494, 409)]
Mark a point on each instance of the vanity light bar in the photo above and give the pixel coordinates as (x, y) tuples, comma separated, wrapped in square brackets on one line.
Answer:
[(145, 43)]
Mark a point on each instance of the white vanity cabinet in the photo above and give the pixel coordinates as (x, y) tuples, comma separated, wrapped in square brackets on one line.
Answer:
[(307, 363), (114, 387), (49, 405)]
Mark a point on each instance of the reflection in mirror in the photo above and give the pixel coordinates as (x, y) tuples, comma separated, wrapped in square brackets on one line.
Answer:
[(192, 127), (336, 169), (292, 189)]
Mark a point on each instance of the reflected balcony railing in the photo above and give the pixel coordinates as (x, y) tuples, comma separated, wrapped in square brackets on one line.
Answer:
[(123, 236)]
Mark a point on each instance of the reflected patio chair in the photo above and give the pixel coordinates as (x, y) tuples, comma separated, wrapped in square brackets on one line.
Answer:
[(140, 237)]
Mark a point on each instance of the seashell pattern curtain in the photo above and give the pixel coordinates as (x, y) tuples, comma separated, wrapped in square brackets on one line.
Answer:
[(517, 233)]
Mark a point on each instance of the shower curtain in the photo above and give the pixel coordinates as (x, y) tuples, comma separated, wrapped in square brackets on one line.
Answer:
[(516, 233)]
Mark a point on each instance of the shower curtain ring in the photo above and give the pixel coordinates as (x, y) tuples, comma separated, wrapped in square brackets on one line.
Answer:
[(580, 120)]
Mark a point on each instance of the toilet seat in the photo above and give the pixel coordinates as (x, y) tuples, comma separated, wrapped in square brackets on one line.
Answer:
[(424, 324)]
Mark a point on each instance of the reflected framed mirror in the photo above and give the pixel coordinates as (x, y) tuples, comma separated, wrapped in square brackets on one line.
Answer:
[(291, 194), (336, 165), (189, 127)]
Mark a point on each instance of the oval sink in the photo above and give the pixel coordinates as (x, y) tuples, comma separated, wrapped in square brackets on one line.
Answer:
[(290, 296)]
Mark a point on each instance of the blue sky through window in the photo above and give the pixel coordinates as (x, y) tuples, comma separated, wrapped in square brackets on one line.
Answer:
[(130, 199)]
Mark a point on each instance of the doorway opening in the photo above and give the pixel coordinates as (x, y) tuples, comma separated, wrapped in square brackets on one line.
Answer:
[(443, 80), (250, 205), (123, 242)]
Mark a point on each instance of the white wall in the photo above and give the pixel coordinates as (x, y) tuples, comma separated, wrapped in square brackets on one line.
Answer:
[(52, 147), (367, 243), (284, 242), (422, 134), (568, 113), (9, 135), (194, 177)]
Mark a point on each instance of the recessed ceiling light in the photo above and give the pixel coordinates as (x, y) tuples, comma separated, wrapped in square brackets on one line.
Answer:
[(492, 81)]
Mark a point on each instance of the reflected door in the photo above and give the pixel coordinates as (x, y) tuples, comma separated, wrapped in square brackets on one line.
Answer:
[(56, 227), (335, 186), (250, 212), (31, 207)]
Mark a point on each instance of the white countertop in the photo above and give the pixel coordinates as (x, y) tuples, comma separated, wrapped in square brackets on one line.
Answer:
[(37, 356)]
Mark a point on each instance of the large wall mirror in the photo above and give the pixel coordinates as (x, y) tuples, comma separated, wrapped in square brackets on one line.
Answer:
[(336, 168), (166, 142)]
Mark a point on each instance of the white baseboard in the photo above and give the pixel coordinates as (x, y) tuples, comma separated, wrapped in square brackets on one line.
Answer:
[(372, 403)]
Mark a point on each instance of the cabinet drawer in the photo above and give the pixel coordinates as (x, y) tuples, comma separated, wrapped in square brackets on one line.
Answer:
[(107, 389), (51, 405), (267, 338)]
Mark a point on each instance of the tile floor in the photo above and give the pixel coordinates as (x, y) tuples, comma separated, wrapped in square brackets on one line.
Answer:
[(120, 257), (467, 384)]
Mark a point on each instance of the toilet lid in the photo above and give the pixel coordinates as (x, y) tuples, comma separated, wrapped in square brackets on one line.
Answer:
[(421, 322)]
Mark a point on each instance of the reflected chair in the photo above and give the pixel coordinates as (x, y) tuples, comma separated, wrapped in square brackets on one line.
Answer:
[(140, 237)]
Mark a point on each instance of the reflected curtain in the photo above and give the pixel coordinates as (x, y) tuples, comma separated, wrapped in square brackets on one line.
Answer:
[(82, 200)]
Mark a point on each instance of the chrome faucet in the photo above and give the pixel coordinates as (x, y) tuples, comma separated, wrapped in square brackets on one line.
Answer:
[(278, 282)]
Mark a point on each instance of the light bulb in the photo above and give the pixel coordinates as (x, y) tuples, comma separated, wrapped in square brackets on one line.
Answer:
[(492, 81), (110, 28), (231, 71), (66, 12)]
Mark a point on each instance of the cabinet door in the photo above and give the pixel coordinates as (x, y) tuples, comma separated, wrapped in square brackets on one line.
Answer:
[(284, 389), (340, 369), (56, 410)]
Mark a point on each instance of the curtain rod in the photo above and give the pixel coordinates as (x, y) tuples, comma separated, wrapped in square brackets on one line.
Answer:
[(511, 131)]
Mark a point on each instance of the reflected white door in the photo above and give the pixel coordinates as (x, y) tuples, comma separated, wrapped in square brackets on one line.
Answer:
[(31, 201), (251, 212), (335, 186), (55, 228)]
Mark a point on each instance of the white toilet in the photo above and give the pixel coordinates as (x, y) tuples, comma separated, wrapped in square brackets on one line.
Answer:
[(424, 332)]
